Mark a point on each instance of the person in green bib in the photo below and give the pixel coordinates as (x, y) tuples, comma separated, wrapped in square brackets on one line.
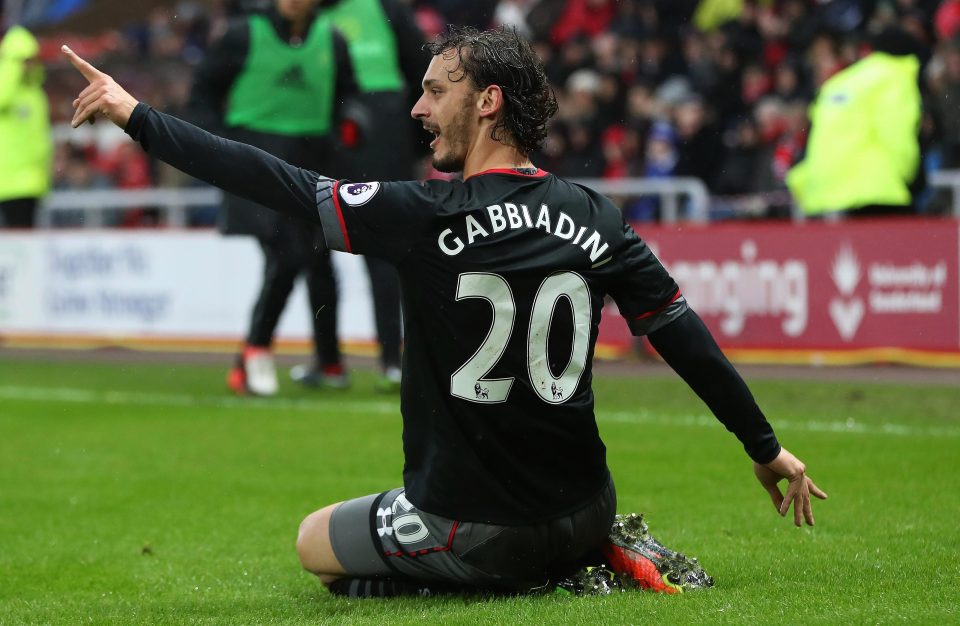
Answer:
[(277, 80), (386, 48)]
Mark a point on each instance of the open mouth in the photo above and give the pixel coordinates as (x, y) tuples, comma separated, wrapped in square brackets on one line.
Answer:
[(436, 136)]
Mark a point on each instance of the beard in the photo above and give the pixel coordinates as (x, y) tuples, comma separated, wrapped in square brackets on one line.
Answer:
[(455, 136), (448, 163)]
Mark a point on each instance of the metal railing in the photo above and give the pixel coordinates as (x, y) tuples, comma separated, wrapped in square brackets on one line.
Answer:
[(171, 202), (947, 179), (681, 198), (670, 191)]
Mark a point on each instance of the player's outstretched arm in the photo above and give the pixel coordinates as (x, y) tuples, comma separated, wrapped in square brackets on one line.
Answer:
[(235, 167), (688, 347)]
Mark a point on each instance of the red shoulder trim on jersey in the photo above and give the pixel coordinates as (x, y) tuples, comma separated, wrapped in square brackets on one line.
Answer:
[(343, 224), (661, 309), (506, 170)]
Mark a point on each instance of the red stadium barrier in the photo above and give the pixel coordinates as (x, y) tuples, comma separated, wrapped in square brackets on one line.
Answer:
[(850, 292)]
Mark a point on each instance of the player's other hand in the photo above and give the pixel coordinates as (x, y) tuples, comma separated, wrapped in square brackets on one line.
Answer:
[(103, 96), (786, 466)]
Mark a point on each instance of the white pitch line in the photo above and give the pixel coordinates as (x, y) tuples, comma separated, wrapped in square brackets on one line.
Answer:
[(345, 405), (85, 396), (848, 426)]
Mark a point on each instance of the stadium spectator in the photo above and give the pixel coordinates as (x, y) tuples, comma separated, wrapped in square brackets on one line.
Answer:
[(945, 98), (478, 13), (711, 14), (824, 58), (73, 170), (582, 18), (276, 80), (698, 142), (700, 66), (661, 162), (513, 14), (787, 83), (505, 477), (739, 172), (947, 19), (746, 51), (864, 151), (584, 156), (386, 48), (26, 150)]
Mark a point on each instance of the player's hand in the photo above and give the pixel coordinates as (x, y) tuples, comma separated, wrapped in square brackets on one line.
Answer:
[(103, 96), (786, 466)]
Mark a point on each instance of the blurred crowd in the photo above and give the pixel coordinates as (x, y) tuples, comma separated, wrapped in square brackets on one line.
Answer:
[(715, 89)]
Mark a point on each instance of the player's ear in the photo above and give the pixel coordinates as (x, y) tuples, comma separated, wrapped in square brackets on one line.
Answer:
[(490, 101)]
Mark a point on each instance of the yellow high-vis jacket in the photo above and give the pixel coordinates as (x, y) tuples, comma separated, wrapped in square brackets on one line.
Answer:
[(863, 147), (25, 143)]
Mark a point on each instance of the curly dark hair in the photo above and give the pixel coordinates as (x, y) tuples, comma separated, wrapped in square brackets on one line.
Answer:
[(502, 57)]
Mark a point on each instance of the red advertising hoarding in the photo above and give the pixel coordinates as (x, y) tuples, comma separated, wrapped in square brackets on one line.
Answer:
[(884, 290)]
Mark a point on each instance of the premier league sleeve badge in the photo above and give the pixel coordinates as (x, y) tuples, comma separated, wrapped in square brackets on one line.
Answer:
[(358, 194)]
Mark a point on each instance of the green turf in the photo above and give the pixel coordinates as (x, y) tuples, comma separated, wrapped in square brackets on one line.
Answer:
[(145, 494)]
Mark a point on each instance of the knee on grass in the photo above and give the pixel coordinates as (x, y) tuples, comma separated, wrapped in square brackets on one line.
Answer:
[(313, 545)]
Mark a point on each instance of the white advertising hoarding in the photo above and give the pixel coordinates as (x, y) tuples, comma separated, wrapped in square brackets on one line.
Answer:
[(178, 284)]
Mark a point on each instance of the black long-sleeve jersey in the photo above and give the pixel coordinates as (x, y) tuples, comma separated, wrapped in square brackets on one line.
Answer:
[(504, 276)]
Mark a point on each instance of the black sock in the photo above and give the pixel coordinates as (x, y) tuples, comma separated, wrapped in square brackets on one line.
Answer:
[(383, 588)]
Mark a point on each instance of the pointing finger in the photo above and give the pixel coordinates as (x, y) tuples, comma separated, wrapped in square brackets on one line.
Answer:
[(89, 72)]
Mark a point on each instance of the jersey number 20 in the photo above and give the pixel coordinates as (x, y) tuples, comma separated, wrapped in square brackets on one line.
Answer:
[(469, 383)]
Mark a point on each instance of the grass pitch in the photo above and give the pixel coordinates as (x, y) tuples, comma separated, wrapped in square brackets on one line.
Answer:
[(144, 494)]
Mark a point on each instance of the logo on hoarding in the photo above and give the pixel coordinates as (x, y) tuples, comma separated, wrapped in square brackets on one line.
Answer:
[(893, 289), (846, 311), (846, 316)]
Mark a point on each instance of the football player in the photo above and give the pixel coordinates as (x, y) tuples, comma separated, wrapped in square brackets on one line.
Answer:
[(504, 274)]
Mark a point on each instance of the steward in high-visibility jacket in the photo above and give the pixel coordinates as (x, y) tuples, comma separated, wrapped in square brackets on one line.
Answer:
[(25, 144), (864, 150)]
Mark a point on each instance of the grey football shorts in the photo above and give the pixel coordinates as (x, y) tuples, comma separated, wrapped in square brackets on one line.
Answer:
[(385, 535)]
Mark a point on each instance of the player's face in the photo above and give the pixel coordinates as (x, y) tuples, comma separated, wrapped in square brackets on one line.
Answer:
[(447, 109), (294, 10)]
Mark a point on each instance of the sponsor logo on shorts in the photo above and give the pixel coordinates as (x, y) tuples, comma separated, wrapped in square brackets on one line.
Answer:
[(383, 522), (402, 522)]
